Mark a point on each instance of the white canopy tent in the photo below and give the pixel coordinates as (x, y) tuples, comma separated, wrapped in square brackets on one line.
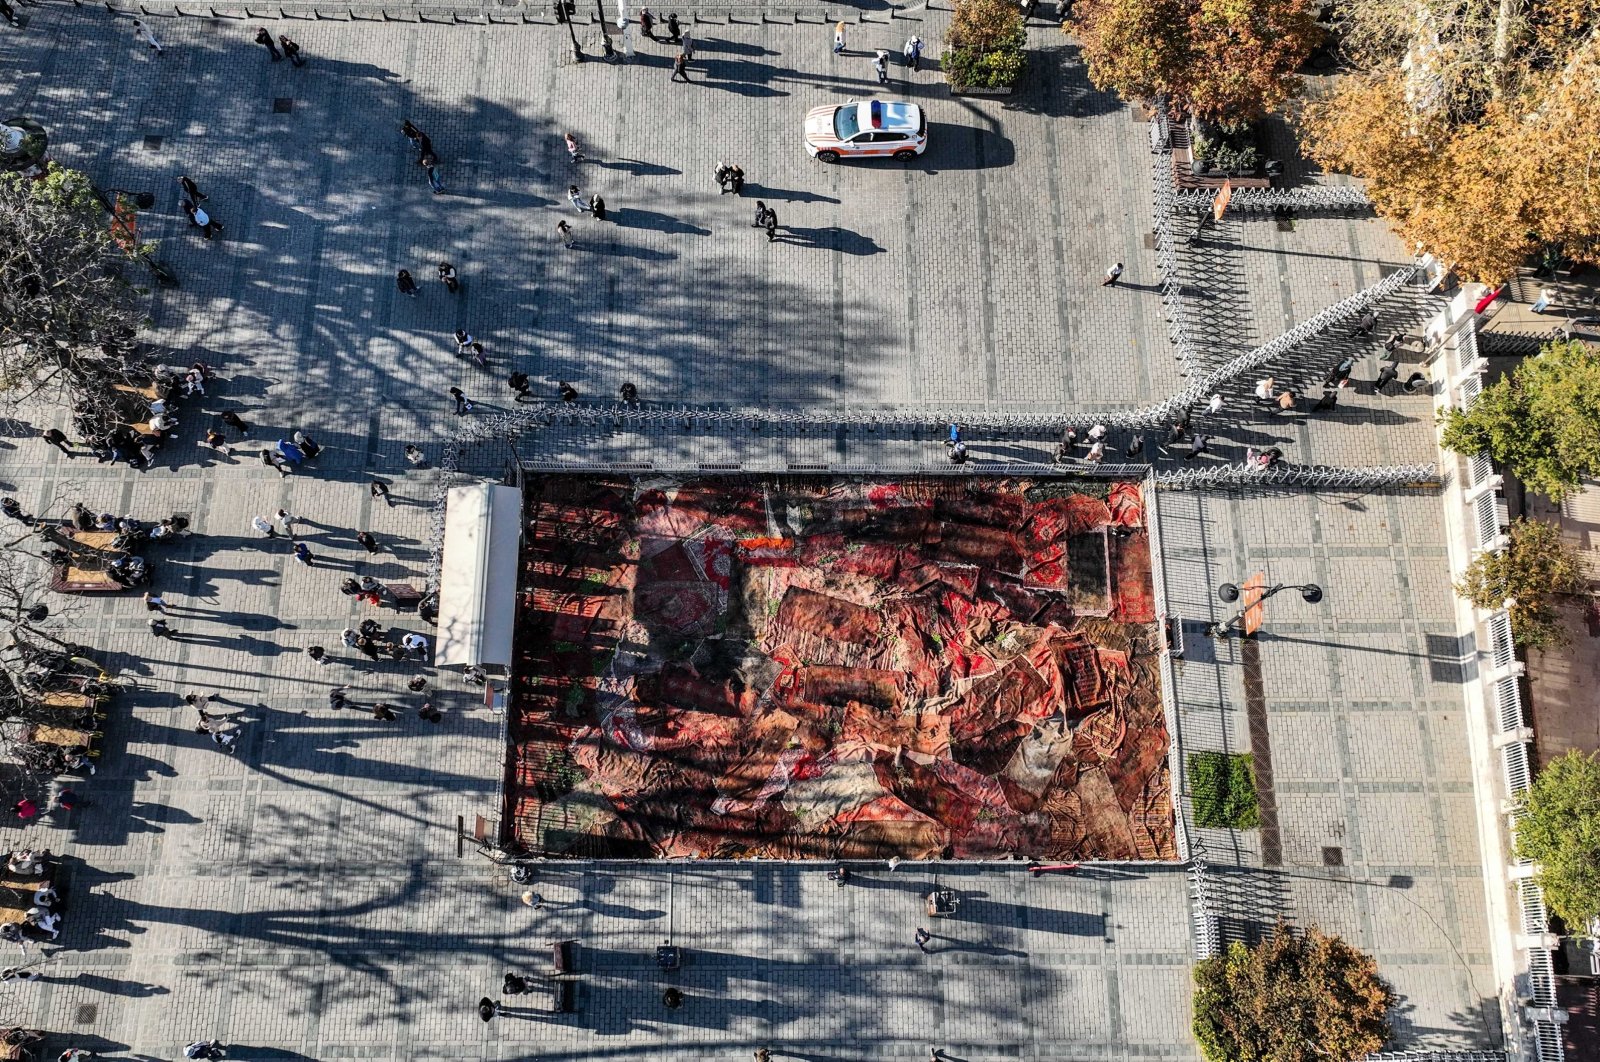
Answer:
[(478, 576)]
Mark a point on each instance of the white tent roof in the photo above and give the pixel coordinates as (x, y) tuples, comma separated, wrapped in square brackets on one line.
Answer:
[(478, 577)]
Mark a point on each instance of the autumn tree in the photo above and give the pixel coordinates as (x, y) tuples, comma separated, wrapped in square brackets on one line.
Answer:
[(1535, 569), (1559, 829), (1541, 421), (1216, 59), (1305, 997), (1472, 124)]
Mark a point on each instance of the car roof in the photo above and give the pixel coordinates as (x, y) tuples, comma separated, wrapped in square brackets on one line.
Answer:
[(894, 116)]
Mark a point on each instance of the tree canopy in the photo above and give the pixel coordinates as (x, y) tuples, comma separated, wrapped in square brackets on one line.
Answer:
[(1472, 123), (1304, 997), (1541, 421), (1532, 572), (68, 317), (1225, 60), (1560, 831)]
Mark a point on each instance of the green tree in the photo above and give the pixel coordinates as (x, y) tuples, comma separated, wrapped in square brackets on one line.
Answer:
[(1560, 831), (1542, 422), (1537, 567), (985, 44), (1292, 998), (1226, 60)]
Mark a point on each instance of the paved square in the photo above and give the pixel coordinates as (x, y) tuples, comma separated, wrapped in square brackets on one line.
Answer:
[(305, 899)]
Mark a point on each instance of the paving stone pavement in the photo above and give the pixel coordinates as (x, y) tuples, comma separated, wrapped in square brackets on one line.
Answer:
[(304, 898)]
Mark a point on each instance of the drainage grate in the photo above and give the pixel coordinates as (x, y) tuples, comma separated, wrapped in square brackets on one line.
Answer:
[(86, 1013), (152, 143), (1333, 857), (282, 105), (1149, 241)]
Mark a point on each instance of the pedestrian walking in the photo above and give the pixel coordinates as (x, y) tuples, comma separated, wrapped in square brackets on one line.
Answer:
[(204, 1049), (1111, 275), (264, 38), (191, 190), (1329, 399), (201, 220), (406, 283), (1387, 374), (274, 460), (429, 713), (411, 133), (680, 67), (466, 343), (9, 13), (447, 277), (567, 391), (674, 31), (597, 207), (159, 628), (772, 224), (430, 166), (417, 684), (564, 233), (838, 38), (291, 50), (216, 440), (302, 553), (155, 603), (880, 66), (1197, 446), (1287, 401), (629, 394), (575, 197), (1135, 447), (1340, 375), (57, 438), (647, 23), (1542, 303), (488, 1008), (317, 653), (518, 382), (1364, 325), (761, 216), (463, 405), (263, 525), (382, 711), (142, 33), (308, 447), (368, 540), (380, 489), (574, 152), (913, 52), (26, 809), (922, 938), (414, 455), (958, 453), (1417, 381), (231, 419), (1214, 405), (286, 520)]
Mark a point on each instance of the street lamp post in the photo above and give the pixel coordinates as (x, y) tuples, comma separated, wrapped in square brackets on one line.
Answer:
[(1310, 593)]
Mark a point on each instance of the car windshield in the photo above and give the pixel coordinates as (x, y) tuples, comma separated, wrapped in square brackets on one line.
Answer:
[(846, 123)]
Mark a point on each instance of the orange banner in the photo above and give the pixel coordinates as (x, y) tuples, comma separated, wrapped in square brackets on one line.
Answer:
[(1255, 588), (1224, 197)]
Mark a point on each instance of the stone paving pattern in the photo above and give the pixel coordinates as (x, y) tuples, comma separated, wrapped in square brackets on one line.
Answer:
[(305, 899)]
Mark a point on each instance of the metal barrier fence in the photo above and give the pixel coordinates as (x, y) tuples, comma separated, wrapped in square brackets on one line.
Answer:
[(1310, 198), (1207, 933), (1169, 702), (1368, 478), (1487, 521)]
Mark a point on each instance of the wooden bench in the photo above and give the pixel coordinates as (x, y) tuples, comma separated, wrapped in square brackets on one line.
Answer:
[(561, 997), (561, 956), (403, 594)]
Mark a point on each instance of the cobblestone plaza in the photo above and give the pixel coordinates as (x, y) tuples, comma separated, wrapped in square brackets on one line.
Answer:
[(310, 898)]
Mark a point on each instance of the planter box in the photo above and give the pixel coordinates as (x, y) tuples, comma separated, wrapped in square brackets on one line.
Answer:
[(967, 90)]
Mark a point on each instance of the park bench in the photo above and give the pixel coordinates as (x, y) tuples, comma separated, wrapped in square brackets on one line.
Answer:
[(561, 956)]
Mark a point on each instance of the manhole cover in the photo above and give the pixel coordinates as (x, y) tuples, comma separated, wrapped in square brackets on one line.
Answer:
[(282, 105), (152, 143), (1149, 241), (1333, 857), (86, 1013)]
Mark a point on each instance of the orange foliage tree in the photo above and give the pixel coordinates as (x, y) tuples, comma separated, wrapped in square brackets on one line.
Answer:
[(1476, 137), (1217, 59)]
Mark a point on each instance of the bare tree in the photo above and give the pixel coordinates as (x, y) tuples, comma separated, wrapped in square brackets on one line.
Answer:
[(69, 317)]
